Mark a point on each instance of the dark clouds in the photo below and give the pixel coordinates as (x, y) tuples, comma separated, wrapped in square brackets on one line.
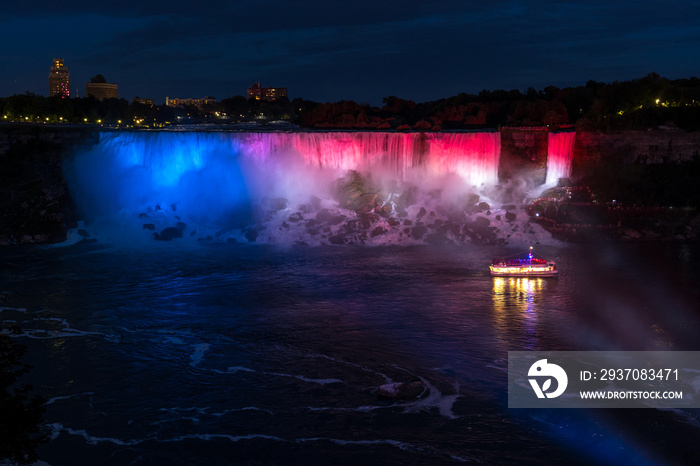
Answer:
[(361, 50)]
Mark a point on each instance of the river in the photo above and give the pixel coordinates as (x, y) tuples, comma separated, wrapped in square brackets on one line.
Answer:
[(221, 354)]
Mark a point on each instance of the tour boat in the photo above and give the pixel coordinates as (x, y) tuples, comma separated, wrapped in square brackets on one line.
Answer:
[(529, 266)]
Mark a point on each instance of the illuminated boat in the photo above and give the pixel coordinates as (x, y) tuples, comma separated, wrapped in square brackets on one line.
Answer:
[(530, 266)]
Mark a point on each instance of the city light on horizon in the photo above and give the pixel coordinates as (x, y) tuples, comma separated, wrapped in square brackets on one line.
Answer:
[(329, 53)]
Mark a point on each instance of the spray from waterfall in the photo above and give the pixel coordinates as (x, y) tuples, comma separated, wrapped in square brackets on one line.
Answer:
[(204, 184)]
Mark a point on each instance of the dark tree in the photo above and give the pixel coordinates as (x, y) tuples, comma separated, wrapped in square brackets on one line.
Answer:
[(20, 412)]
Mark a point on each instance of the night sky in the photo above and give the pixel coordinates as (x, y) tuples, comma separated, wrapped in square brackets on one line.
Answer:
[(329, 50)]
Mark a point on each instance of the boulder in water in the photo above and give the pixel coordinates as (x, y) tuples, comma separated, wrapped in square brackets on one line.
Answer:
[(401, 390), (419, 231), (296, 217), (337, 239), (276, 203), (168, 234), (251, 235), (323, 215)]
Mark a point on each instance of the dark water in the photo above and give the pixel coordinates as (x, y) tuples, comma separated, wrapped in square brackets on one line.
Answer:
[(260, 355)]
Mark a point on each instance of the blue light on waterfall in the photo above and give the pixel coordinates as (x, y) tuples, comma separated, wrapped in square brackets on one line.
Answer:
[(196, 173)]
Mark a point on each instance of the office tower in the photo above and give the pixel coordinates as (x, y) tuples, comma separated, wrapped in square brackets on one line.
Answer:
[(59, 79)]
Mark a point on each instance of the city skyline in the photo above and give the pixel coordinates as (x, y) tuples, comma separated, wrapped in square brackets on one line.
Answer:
[(360, 51)]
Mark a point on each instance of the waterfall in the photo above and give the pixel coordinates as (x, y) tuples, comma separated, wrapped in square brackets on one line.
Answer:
[(559, 156), (203, 177)]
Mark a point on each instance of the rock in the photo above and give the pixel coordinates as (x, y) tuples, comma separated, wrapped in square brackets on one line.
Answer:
[(365, 221), (337, 239), (632, 233), (378, 231), (85, 234), (393, 222), (323, 215), (251, 235), (483, 206), (421, 212), (407, 198), (419, 231), (353, 192), (147, 226), (337, 220), (168, 234), (181, 226), (363, 203), (436, 239), (408, 222), (277, 203), (296, 217), (401, 390), (481, 223), (316, 202), (510, 216)]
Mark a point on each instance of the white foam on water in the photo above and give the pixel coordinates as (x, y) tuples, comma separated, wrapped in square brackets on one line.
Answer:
[(306, 379), (13, 309), (232, 438), (57, 428), (387, 379), (64, 330), (233, 370), (69, 397), (198, 354)]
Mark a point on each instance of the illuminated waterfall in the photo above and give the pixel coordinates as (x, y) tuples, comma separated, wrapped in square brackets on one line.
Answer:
[(559, 156), (213, 175), (473, 156)]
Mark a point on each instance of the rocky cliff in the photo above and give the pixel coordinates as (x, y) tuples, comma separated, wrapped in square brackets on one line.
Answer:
[(35, 204)]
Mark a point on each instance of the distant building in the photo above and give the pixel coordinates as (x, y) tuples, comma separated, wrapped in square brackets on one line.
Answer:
[(181, 103), (100, 89), (139, 100), (59, 79), (270, 94)]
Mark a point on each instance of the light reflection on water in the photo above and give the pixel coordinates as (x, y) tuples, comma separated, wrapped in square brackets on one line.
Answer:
[(163, 350), (515, 305)]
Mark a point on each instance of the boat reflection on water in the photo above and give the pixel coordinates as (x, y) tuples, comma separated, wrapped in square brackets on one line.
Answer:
[(516, 305)]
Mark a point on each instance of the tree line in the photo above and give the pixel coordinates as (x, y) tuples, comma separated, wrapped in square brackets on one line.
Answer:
[(636, 104)]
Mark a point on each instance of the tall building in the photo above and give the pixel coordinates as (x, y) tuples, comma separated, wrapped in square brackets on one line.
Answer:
[(99, 88), (59, 79), (258, 92)]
